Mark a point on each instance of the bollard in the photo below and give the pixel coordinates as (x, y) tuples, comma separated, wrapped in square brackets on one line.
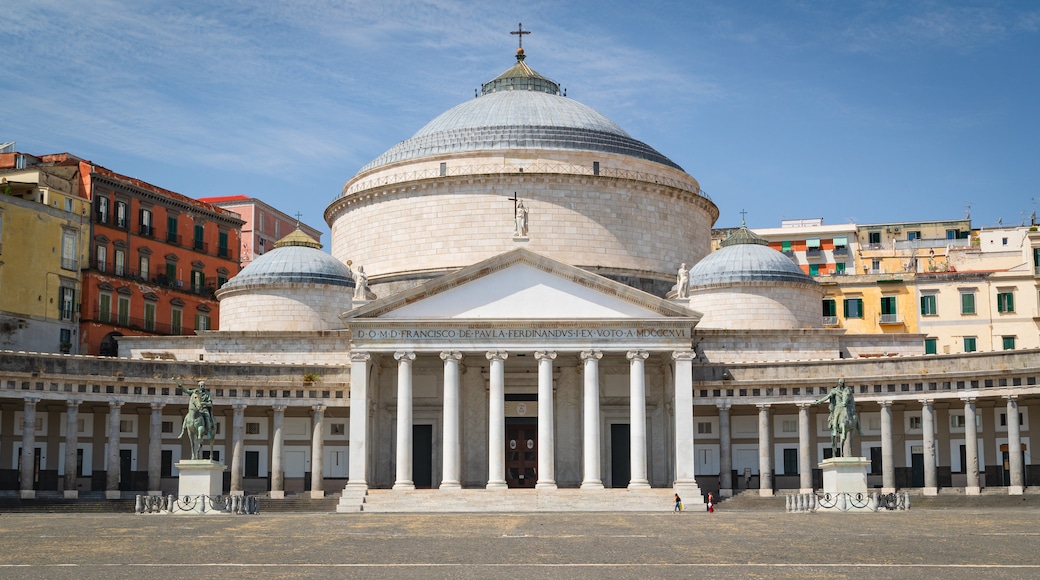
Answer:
[(139, 506)]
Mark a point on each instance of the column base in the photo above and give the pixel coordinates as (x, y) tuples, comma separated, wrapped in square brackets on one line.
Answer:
[(545, 485), (276, 494), (317, 493), (592, 484), (71, 494), (973, 490), (403, 486), (726, 492), (805, 490), (1016, 490), (355, 486), (928, 491), (27, 494), (765, 493), (109, 494), (639, 484), (497, 485), (450, 485), (151, 492), (237, 492)]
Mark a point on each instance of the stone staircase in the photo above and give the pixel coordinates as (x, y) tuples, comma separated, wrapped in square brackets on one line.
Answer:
[(512, 501), (299, 503), (750, 501)]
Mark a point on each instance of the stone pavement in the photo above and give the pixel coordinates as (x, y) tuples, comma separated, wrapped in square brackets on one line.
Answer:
[(952, 543)]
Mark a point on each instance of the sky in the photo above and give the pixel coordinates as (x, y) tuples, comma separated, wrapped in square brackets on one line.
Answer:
[(858, 111)]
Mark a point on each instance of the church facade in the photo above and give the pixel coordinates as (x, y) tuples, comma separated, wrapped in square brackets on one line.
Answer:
[(516, 321)]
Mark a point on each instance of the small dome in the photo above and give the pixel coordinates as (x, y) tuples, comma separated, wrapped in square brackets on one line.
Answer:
[(296, 258), (746, 257)]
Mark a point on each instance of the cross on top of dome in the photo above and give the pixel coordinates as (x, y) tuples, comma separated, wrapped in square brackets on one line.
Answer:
[(520, 77)]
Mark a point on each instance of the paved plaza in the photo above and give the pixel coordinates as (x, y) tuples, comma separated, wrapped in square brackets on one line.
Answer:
[(957, 543)]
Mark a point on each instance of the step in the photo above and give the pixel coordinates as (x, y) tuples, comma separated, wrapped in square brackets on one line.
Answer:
[(513, 501)]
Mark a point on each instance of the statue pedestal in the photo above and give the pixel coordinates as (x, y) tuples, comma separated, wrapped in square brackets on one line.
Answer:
[(845, 476), (200, 477)]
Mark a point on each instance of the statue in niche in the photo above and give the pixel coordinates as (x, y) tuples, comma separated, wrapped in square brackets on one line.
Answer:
[(198, 421), (842, 419), (682, 282), (520, 221), (360, 284)]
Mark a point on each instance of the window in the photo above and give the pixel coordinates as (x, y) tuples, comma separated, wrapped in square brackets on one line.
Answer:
[(812, 246), (122, 215), (166, 463), (66, 302), (171, 273), (930, 346), (68, 250), (68, 204), (261, 222), (814, 269), (951, 234), (222, 245), (65, 338), (841, 243), (789, 426), (101, 209), (105, 307), (252, 428), (874, 238), (969, 344), (888, 309), (126, 426), (200, 234), (145, 217), (839, 268), (120, 262), (967, 302), (167, 427), (102, 258), (340, 428), (703, 428), (875, 266), (790, 461), (916, 235), (1003, 419), (124, 311), (785, 246), (175, 321), (201, 322), (853, 308), (1005, 302), (252, 467), (1003, 241), (830, 308), (198, 281), (145, 265), (221, 280), (928, 305), (957, 421), (875, 460), (277, 230), (149, 316), (1009, 342), (915, 422), (171, 230)]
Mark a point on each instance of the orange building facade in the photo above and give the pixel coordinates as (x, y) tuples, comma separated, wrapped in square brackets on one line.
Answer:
[(156, 258)]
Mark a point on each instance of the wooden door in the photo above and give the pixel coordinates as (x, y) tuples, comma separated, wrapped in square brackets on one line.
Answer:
[(521, 454)]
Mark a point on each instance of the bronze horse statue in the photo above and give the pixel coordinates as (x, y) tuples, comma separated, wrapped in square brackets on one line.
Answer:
[(843, 419), (198, 422)]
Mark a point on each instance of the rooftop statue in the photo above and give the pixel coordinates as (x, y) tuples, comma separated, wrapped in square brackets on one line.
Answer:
[(360, 284), (682, 282), (520, 221), (842, 419), (198, 421)]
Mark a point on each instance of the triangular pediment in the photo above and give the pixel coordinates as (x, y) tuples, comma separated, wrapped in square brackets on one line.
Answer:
[(521, 285)]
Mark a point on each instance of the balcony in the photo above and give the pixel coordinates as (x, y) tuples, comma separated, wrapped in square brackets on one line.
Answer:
[(69, 264), (225, 253), (134, 323), (200, 246), (813, 253), (889, 319), (173, 238), (841, 250), (830, 321), (147, 231)]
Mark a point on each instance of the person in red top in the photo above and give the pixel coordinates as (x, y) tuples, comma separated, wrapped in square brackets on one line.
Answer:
[(711, 503)]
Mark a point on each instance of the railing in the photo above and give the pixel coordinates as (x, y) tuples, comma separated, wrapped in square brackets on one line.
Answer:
[(134, 323), (225, 253), (845, 502), (830, 321), (201, 246), (889, 319), (173, 238), (841, 250), (560, 168), (146, 230), (932, 243), (68, 264), (813, 252), (199, 504)]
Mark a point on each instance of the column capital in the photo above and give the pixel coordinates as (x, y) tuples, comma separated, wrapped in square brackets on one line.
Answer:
[(1011, 398), (496, 355), (451, 354), (71, 403), (114, 403), (969, 398), (360, 357), (804, 404), (724, 405), (927, 402), (31, 401), (637, 354), (764, 407), (155, 406), (684, 355), (404, 355), (318, 409), (885, 402), (239, 408), (590, 354), (545, 354), (279, 407)]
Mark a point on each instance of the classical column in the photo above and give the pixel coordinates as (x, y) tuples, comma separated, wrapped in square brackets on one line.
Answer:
[(358, 421), (278, 453), (546, 421), (71, 445), (725, 452), (684, 455), (931, 486), (888, 462), (971, 449), (27, 475), (497, 420), (590, 477), (1014, 426), (154, 450), (112, 461), (318, 452), (452, 462), (637, 418), (404, 420), (804, 449), (765, 452), (238, 452)]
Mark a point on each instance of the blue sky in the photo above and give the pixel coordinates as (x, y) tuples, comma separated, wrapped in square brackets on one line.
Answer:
[(850, 111)]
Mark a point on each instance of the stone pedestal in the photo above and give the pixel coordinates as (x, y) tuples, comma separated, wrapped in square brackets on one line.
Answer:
[(200, 477), (845, 475)]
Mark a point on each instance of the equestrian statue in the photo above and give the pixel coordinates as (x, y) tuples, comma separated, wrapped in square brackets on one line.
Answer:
[(843, 419), (198, 421)]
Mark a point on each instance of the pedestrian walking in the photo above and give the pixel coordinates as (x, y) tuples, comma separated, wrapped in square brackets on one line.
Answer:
[(711, 503), (678, 504)]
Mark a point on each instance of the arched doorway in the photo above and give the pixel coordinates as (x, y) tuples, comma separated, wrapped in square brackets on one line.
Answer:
[(109, 345)]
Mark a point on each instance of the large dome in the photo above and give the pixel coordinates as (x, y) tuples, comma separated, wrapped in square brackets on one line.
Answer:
[(293, 261), (746, 257)]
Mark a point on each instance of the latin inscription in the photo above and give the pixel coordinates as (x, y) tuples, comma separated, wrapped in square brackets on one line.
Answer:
[(519, 333)]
